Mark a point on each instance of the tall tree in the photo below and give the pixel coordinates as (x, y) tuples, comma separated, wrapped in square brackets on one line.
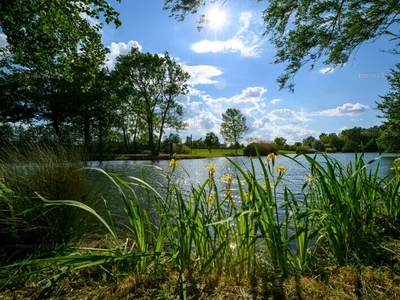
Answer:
[(303, 32), (154, 82), (233, 126), (308, 140), (280, 141), (211, 141), (390, 108)]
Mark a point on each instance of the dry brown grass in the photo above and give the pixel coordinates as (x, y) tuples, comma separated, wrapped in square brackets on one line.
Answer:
[(344, 283)]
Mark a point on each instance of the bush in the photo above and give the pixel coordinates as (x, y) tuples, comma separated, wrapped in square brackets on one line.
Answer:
[(350, 146), (318, 145), (264, 148), (184, 149)]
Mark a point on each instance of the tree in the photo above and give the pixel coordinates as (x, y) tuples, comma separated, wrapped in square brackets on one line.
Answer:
[(318, 145), (6, 134), (48, 96), (308, 140), (233, 126), (390, 108), (211, 141), (173, 138), (303, 32), (153, 82), (280, 141), (42, 32), (332, 140)]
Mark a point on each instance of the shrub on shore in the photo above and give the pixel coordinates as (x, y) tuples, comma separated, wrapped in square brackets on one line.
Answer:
[(264, 148)]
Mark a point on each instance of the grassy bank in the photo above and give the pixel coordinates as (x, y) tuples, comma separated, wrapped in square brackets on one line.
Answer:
[(338, 239)]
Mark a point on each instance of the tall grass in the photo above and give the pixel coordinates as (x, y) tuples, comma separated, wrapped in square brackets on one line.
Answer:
[(26, 226), (245, 226)]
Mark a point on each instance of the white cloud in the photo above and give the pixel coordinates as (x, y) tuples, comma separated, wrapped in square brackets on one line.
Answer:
[(249, 101), (3, 40), (326, 70), (287, 123), (202, 74), (285, 115), (274, 101), (329, 70), (291, 132), (347, 109), (245, 41), (117, 49), (245, 18)]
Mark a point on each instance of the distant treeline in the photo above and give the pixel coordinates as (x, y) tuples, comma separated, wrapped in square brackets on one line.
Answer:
[(349, 140)]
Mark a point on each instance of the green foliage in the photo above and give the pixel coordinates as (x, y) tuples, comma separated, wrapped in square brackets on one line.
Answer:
[(318, 145), (150, 84), (346, 201), (389, 106), (350, 146), (39, 33), (309, 140), (233, 126), (211, 141), (248, 223), (28, 227), (263, 148), (281, 142), (332, 140), (305, 149)]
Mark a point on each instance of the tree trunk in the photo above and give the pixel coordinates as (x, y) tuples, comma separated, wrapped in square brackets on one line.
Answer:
[(151, 138), (100, 138), (86, 133)]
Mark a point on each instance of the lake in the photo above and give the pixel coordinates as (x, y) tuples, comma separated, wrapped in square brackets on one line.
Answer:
[(192, 171)]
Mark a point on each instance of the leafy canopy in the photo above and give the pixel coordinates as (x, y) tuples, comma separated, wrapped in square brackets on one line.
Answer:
[(151, 83), (211, 140), (40, 32), (304, 32), (390, 108), (233, 126)]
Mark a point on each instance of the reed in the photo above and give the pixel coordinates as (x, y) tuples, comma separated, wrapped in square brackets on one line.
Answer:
[(345, 202), (26, 226), (244, 228)]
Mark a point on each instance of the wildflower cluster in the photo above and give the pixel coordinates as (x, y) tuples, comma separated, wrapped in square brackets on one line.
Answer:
[(210, 199), (228, 179), (281, 169), (264, 186), (396, 163), (211, 168), (173, 163), (272, 156)]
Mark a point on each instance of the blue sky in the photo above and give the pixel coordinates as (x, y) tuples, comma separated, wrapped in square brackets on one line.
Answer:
[(231, 66)]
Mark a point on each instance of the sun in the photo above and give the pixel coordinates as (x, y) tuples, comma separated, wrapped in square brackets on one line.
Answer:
[(216, 17)]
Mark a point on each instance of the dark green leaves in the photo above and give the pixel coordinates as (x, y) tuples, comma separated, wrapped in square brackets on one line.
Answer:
[(233, 126)]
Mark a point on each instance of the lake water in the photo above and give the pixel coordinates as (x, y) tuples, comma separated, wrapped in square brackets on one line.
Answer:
[(192, 171)]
